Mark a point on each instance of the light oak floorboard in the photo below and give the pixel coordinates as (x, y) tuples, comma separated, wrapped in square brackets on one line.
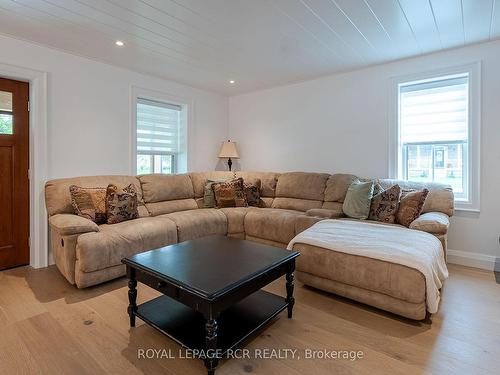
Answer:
[(50, 327)]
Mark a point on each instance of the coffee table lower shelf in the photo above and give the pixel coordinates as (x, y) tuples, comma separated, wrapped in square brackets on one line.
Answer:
[(236, 324)]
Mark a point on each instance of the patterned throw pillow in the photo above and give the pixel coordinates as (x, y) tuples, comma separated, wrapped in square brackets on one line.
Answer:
[(89, 203), (410, 206), (385, 205), (252, 192), (208, 194), (230, 193), (121, 204)]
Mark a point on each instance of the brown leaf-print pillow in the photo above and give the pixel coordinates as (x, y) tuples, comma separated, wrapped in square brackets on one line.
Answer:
[(121, 204)]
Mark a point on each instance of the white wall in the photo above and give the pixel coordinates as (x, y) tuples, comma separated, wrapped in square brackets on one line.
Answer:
[(89, 112), (340, 123)]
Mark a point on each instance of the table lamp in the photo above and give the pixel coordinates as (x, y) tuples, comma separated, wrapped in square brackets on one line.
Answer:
[(228, 150)]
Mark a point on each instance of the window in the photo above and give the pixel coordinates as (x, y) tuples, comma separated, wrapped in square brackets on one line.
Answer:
[(433, 121), (438, 132), (159, 136), (6, 113)]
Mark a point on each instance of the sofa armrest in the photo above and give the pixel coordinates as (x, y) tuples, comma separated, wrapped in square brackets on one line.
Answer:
[(324, 213), (432, 222), (68, 224)]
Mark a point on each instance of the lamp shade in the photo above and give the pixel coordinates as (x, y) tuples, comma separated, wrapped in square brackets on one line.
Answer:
[(228, 150)]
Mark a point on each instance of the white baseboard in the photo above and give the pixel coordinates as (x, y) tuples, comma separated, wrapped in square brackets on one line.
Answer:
[(476, 260)]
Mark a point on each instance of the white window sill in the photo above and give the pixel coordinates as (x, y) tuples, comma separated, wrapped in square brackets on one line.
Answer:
[(466, 207)]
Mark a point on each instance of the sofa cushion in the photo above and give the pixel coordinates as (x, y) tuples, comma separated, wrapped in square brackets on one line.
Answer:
[(200, 202), (198, 223), (106, 248), (300, 191), (165, 194), (166, 187), (337, 185), (335, 206), (271, 224), (302, 185), (58, 198), (295, 204), (266, 201), (167, 207), (236, 218), (325, 214)]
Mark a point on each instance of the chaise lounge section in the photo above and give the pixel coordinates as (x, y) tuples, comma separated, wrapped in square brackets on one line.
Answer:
[(171, 210)]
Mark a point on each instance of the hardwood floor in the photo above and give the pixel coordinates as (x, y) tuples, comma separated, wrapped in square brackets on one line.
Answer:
[(48, 326)]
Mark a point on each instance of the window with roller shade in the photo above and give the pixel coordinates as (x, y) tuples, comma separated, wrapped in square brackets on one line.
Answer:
[(434, 132), (159, 136)]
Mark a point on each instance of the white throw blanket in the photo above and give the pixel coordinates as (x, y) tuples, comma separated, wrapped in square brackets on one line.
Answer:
[(411, 248)]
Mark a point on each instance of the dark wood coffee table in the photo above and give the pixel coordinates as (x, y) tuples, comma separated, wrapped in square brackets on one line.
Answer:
[(212, 300)]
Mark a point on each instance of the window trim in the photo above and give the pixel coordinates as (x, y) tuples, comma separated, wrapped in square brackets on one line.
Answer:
[(182, 161), (474, 124)]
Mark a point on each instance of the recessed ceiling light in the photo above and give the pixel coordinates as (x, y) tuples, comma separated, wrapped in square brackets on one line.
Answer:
[(232, 81), (119, 43)]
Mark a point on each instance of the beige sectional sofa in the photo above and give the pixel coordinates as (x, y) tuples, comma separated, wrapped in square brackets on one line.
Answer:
[(171, 210)]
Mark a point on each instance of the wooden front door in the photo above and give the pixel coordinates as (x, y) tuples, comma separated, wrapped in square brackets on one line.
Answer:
[(14, 181)]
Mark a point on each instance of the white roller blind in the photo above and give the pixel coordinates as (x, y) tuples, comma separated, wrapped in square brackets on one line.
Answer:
[(158, 127), (435, 111)]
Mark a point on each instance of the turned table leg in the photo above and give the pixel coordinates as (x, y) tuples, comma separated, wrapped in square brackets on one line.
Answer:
[(132, 297), (289, 289), (211, 343)]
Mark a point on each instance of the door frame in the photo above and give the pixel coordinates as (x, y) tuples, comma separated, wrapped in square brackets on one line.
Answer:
[(39, 255)]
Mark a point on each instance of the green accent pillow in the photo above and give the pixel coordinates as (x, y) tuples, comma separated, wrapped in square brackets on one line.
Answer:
[(358, 200), (209, 196)]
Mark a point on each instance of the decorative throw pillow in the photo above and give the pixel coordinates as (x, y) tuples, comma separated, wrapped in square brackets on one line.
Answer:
[(385, 205), (89, 203), (252, 192), (208, 195), (121, 204), (358, 200), (410, 206), (230, 193)]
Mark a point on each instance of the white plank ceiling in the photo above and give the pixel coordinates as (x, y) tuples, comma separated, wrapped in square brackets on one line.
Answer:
[(257, 43)]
